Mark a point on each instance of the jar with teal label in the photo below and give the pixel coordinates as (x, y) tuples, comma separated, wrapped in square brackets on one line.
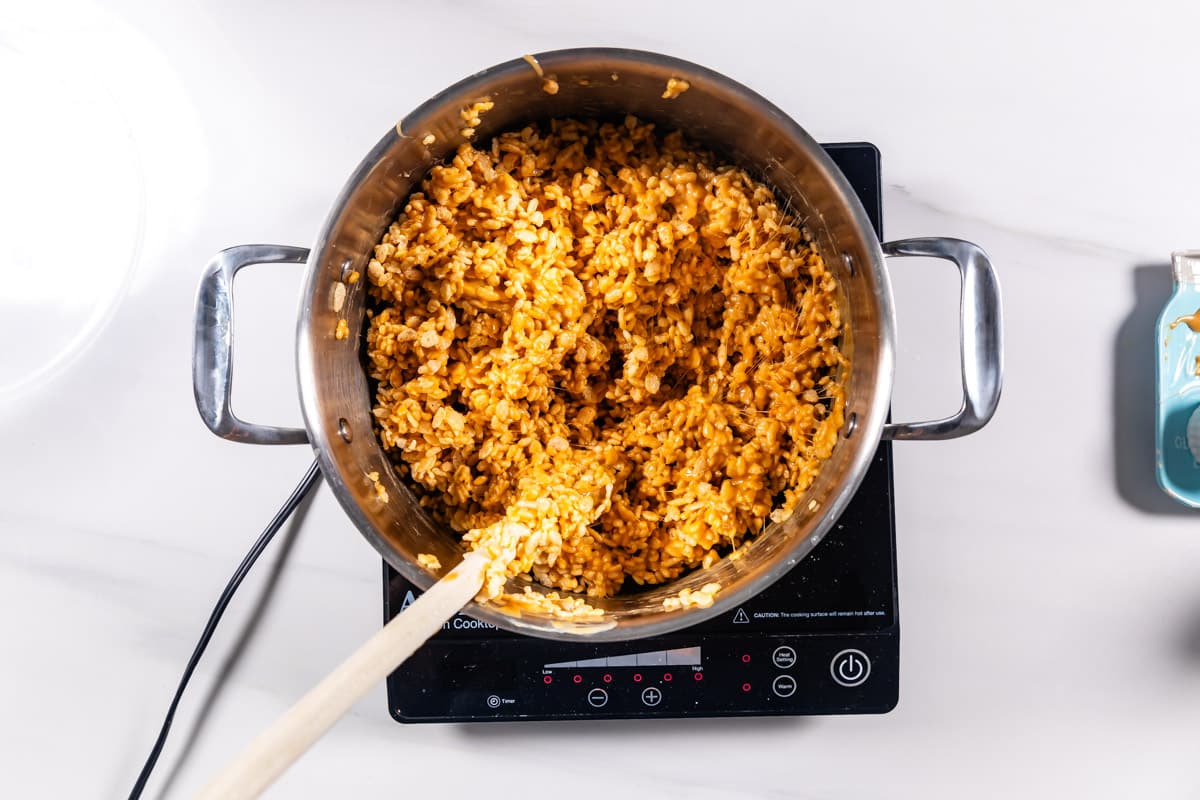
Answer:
[(1177, 451)]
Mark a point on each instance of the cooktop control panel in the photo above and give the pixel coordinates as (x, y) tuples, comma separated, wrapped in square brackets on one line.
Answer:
[(769, 675)]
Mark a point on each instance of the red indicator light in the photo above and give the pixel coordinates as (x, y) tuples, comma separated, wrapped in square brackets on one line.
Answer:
[(637, 677), (607, 678), (666, 676), (547, 679), (745, 658), (745, 687), (578, 679), (698, 676)]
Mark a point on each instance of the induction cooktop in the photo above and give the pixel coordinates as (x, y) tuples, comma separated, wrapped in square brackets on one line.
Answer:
[(824, 639)]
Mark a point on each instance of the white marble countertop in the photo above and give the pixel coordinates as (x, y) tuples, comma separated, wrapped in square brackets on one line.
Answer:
[(1049, 596)]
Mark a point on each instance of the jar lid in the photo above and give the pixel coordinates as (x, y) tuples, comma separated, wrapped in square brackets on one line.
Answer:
[(1186, 266)]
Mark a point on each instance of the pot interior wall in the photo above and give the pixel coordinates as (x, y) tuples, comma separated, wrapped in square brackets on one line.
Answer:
[(729, 120)]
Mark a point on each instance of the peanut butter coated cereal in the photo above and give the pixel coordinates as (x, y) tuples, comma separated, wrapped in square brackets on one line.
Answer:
[(429, 561), (602, 356), (675, 87)]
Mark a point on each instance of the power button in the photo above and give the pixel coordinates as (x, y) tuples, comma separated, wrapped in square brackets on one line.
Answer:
[(850, 668)]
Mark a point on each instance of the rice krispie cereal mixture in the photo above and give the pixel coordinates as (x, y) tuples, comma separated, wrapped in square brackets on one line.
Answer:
[(601, 355)]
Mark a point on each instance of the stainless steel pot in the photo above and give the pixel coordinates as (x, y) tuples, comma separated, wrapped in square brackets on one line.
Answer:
[(717, 112)]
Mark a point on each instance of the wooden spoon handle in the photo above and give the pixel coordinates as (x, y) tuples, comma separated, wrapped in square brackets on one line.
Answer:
[(278, 747)]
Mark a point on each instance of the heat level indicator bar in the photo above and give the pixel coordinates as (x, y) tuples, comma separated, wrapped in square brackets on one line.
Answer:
[(681, 657)]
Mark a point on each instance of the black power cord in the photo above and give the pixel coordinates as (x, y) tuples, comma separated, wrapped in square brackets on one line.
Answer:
[(305, 486)]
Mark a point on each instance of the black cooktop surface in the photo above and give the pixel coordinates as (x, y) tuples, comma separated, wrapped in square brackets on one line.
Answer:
[(823, 640)]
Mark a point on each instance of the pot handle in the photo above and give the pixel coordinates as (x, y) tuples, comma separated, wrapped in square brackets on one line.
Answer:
[(981, 345), (212, 347)]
